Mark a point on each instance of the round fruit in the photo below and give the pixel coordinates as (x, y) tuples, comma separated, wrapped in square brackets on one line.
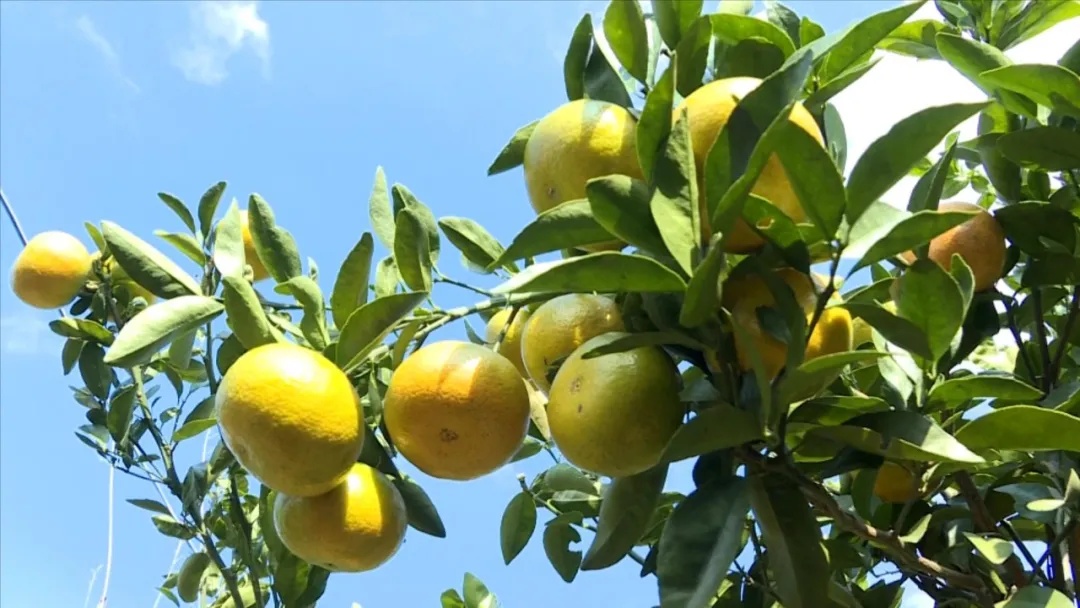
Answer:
[(743, 295), (708, 110), (562, 324), (51, 270), (291, 417), (980, 241), (510, 347), (457, 410), (251, 256), (614, 414), (355, 527), (894, 483)]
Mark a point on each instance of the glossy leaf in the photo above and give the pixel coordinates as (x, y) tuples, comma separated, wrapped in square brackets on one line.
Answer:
[(864, 36), (1048, 85), (674, 18), (625, 514), (146, 265), (624, 29), (1043, 148), (587, 72), (915, 38), (814, 178), (513, 153), (907, 234), (674, 202), (702, 301), (351, 285), (411, 251), (1024, 428), (274, 245), (121, 413), (655, 123), (716, 427), (899, 435), (152, 329), (595, 272), (565, 226), (245, 313), (371, 323), (474, 241), (621, 205), (733, 28), (1002, 389), (930, 298), (1036, 597), (926, 195), (97, 376), (423, 516), (517, 526), (995, 550), (973, 57), (558, 536), (692, 55)]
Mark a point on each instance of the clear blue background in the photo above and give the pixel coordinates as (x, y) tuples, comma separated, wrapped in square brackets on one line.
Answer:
[(300, 103)]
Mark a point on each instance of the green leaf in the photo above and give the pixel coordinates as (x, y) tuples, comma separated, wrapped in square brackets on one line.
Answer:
[(351, 285), (228, 253), (655, 123), (411, 251), (208, 204), (403, 199), (558, 536), (121, 413), (1002, 389), (179, 208), (917, 530), (1037, 228), (899, 435), (596, 272), (150, 330), (835, 86), (1048, 85), (971, 58), (477, 594), (995, 550), (382, 216), (386, 277), (861, 38), (793, 539), (1032, 596), (674, 18), (785, 19), (715, 428), (733, 28), (624, 29), (70, 354), (517, 526), (587, 72), (911, 232), (511, 156), (631, 341), (371, 323), (914, 38), (625, 513), (812, 376), (423, 516), (203, 411), (245, 313), (928, 190), (451, 599), (185, 244), (700, 541), (97, 376), (146, 265), (929, 297), (310, 297), (477, 244), (172, 528), (1025, 428), (814, 179), (702, 302), (1044, 148), (889, 158), (149, 505), (565, 226), (1035, 18), (692, 55), (621, 205), (193, 429), (274, 245), (674, 202)]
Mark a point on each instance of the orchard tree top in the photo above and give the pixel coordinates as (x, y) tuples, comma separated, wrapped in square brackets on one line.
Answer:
[(678, 296)]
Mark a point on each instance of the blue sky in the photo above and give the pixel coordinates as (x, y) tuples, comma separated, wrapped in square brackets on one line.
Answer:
[(104, 104)]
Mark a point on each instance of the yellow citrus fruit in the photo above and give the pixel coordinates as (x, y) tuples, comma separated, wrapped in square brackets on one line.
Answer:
[(895, 483), (614, 414), (250, 255), (980, 241), (562, 324), (355, 527), (291, 417), (708, 109), (51, 270), (510, 347), (456, 410), (743, 295), (574, 143)]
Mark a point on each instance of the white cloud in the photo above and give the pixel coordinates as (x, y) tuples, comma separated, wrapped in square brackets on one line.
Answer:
[(89, 31), (26, 334), (219, 30)]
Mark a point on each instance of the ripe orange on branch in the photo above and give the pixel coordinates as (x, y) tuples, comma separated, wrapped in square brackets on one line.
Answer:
[(562, 324), (50, 270), (980, 241)]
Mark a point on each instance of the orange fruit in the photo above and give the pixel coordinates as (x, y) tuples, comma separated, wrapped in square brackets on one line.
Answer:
[(980, 241), (50, 270), (510, 347), (895, 483), (562, 324)]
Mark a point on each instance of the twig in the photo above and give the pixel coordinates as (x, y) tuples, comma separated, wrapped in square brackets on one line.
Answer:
[(1036, 571), (1010, 315), (1040, 338), (985, 522), (445, 279)]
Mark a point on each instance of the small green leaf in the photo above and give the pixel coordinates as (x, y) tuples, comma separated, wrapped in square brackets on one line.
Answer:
[(674, 202), (475, 243), (587, 72), (973, 57), (1051, 86), (193, 429), (692, 55), (149, 505), (351, 285), (559, 534), (1044, 148), (423, 516), (889, 158), (310, 297), (995, 550), (814, 178), (732, 28), (899, 435), (1025, 428), (208, 204), (97, 376), (477, 594), (146, 265), (1033, 596), (1002, 389), (179, 208), (371, 323), (915, 38), (655, 123), (929, 297), (185, 244), (517, 526), (121, 412), (245, 313), (812, 376), (451, 599), (911, 232), (386, 277), (403, 199), (702, 302), (203, 411), (70, 354), (715, 428), (917, 530), (172, 528), (861, 38), (674, 18), (512, 155), (621, 205), (596, 272), (625, 513), (411, 250), (229, 256), (927, 191), (700, 541), (1037, 228), (624, 29), (565, 226), (150, 330), (274, 245), (793, 539), (382, 216)]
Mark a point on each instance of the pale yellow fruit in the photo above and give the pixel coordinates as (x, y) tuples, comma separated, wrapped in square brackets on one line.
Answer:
[(562, 324), (895, 483), (355, 527), (456, 410), (50, 270), (291, 418), (510, 347)]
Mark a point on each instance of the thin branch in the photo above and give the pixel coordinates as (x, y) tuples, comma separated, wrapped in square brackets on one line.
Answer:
[(445, 279), (1040, 338), (985, 522), (1010, 315), (1063, 337)]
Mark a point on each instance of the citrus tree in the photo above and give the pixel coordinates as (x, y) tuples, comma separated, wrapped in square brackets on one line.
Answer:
[(679, 296)]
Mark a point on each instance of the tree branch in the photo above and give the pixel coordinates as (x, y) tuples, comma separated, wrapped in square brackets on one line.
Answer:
[(985, 522)]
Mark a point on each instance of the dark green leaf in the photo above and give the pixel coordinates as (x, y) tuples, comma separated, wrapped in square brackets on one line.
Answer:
[(179, 208), (717, 427), (912, 231), (121, 411), (245, 313), (702, 301), (733, 28), (149, 505), (309, 296), (1023, 428), (150, 330), (624, 29), (915, 39), (208, 204), (655, 123), (895, 329), (1002, 389), (785, 19), (203, 411), (411, 251), (70, 354), (1035, 18), (565, 226), (864, 36), (692, 55), (474, 241), (423, 515), (371, 323), (927, 191), (1051, 86), (700, 541), (842, 81), (674, 202), (1037, 228), (351, 284), (971, 58), (517, 526), (146, 265), (995, 550), (812, 376), (631, 341), (558, 536), (596, 272), (382, 216), (587, 71), (891, 156), (1045, 148), (674, 18), (403, 199), (814, 178), (899, 435), (929, 297), (274, 245), (513, 153), (577, 56), (625, 513), (621, 205), (97, 376)]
